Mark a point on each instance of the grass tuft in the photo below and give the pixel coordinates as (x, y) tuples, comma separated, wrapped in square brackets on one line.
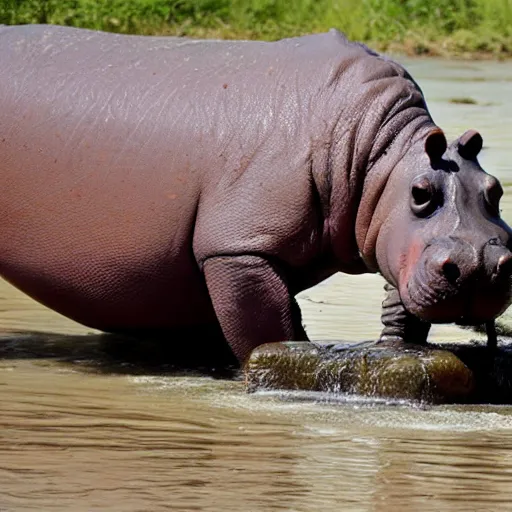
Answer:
[(463, 100)]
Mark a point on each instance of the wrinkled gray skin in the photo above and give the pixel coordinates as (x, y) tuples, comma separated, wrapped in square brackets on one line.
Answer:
[(156, 183)]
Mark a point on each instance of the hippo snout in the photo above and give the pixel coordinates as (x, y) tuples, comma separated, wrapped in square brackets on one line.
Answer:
[(456, 261), (457, 281)]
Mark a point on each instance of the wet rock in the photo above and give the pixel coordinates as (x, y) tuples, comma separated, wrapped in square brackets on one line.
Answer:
[(380, 370)]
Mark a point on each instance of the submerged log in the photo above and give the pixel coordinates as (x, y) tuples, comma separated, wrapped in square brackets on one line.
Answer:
[(430, 374)]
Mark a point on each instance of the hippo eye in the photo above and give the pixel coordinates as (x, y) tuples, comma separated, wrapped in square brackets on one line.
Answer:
[(422, 197), (492, 198)]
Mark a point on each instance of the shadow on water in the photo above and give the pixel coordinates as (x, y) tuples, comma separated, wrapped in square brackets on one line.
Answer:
[(169, 355), (120, 354)]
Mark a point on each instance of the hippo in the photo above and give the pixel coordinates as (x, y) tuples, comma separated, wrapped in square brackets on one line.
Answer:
[(158, 183)]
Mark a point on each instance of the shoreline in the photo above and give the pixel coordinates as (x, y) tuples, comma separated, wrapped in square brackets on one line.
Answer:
[(448, 47), (457, 29)]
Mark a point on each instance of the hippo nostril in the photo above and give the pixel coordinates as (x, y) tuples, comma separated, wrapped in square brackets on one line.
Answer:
[(451, 272), (505, 264)]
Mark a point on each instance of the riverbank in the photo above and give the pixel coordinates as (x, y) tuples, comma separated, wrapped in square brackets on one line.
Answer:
[(448, 28)]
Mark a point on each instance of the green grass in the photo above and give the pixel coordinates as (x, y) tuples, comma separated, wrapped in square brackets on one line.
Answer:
[(416, 26)]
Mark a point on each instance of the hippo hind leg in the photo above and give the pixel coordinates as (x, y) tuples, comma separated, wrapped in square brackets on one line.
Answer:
[(399, 324)]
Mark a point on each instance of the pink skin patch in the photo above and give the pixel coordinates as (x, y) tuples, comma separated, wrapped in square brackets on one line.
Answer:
[(435, 312), (408, 262)]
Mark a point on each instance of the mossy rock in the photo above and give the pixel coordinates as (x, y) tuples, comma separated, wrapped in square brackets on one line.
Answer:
[(377, 370)]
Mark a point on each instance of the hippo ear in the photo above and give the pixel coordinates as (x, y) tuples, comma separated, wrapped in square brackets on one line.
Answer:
[(470, 144), (435, 145)]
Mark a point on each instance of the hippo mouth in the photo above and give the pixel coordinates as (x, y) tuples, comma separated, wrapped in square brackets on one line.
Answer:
[(471, 303), (431, 299), (455, 281)]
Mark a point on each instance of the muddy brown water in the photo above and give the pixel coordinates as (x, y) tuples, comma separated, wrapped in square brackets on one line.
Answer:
[(72, 438)]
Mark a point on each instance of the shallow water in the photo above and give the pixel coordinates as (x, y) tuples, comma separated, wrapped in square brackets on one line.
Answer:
[(79, 435)]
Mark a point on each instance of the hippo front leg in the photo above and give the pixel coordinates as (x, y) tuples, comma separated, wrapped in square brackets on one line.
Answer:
[(399, 324), (252, 303)]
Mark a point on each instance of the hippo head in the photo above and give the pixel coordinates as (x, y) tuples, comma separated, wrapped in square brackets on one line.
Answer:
[(442, 242)]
